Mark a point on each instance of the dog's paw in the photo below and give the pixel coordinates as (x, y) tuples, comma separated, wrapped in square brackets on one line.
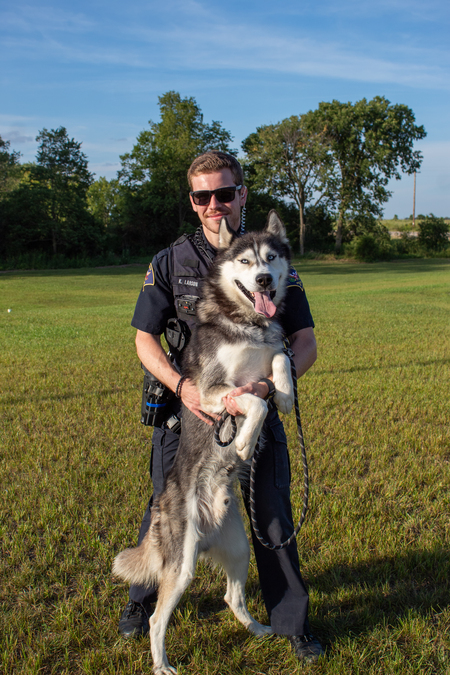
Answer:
[(284, 402), (164, 670), (244, 449), (246, 441), (259, 630)]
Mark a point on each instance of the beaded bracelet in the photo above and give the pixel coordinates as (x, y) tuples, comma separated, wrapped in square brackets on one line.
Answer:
[(179, 386)]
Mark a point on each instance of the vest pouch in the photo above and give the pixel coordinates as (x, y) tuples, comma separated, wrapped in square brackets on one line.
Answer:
[(155, 399), (177, 334)]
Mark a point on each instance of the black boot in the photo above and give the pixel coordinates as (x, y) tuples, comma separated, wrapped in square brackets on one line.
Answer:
[(134, 621), (306, 647)]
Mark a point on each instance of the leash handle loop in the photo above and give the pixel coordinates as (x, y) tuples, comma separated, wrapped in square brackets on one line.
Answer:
[(218, 426)]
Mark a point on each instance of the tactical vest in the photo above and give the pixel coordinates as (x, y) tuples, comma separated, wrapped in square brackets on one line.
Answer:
[(188, 267)]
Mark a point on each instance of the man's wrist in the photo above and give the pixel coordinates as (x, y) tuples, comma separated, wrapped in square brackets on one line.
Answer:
[(271, 388), (179, 386)]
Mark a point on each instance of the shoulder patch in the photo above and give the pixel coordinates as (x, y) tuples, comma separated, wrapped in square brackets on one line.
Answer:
[(149, 277), (294, 279)]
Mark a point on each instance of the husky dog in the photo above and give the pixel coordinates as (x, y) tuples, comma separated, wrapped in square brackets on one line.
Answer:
[(237, 340)]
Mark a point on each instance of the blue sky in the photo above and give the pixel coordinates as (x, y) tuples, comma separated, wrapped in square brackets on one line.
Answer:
[(98, 67)]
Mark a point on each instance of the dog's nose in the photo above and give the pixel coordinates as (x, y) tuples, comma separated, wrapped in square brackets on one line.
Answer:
[(264, 280)]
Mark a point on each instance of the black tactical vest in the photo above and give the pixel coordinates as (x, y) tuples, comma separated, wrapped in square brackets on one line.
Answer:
[(188, 267)]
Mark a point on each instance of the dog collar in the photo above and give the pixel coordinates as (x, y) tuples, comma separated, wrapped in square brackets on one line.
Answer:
[(272, 390)]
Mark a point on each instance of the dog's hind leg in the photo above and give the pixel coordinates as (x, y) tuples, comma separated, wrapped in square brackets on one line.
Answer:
[(232, 551), (170, 589)]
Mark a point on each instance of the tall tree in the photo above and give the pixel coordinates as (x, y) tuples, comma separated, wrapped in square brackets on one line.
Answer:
[(63, 169), (9, 167), (155, 170), (289, 160), (102, 198), (370, 143)]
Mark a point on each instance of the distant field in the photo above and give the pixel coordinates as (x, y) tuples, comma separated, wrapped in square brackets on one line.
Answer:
[(74, 479), (404, 225)]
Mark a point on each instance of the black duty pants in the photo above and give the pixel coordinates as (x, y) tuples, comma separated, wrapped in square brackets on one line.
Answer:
[(283, 589)]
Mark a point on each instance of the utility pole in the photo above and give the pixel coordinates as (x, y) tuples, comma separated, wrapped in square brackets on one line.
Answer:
[(414, 203)]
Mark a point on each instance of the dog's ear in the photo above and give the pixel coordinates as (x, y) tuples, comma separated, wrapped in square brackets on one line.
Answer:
[(275, 226), (226, 234)]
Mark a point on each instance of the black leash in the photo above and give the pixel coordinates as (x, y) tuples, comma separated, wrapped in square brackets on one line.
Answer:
[(218, 426), (223, 444), (266, 544)]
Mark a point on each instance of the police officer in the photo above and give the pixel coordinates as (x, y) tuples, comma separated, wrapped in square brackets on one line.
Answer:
[(171, 288)]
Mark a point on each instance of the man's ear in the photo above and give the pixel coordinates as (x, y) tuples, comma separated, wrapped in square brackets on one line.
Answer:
[(275, 226), (226, 234)]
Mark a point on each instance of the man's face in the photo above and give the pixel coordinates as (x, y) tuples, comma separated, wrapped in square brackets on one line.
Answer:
[(211, 215)]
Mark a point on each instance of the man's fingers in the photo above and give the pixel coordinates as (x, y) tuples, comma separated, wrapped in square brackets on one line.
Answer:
[(231, 406), (208, 419)]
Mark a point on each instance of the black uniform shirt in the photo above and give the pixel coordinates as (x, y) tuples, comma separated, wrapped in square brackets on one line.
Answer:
[(155, 304)]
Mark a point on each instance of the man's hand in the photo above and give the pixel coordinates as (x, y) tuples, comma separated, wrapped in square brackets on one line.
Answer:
[(303, 344), (260, 389), (155, 359), (190, 396)]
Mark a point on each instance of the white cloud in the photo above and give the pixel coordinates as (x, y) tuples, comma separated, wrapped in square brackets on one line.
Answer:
[(43, 20), (16, 137), (205, 39)]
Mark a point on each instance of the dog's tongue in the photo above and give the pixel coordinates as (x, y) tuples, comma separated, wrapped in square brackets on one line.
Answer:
[(264, 304)]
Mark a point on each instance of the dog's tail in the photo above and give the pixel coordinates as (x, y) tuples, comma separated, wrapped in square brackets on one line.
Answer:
[(141, 565)]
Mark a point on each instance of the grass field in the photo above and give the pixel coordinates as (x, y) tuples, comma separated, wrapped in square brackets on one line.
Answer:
[(74, 464)]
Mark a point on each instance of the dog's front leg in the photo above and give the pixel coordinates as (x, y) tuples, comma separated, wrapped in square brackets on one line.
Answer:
[(282, 379), (211, 398), (249, 425)]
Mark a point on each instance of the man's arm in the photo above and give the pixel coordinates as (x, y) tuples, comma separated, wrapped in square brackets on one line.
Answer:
[(303, 344), (155, 359)]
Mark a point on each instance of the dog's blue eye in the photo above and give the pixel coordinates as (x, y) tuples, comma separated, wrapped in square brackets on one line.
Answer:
[(244, 261), (270, 257)]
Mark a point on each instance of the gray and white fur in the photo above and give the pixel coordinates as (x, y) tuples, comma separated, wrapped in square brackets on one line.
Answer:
[(237, 340)]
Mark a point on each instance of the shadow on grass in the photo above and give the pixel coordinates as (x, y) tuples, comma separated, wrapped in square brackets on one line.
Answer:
[(311, 267), (394, 266), (100, 394), (382, 591), (119, 270), (384, 366)]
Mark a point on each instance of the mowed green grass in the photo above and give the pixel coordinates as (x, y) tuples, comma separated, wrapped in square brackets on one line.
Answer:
[(74, 463)]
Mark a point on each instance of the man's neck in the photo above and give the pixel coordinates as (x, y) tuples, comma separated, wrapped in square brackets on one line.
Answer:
[(211, 237)]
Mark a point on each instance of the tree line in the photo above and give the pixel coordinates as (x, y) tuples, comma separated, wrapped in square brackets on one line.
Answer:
[(325, 171)]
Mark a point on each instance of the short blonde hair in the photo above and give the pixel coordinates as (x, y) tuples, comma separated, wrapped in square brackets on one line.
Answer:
[(215, 160)]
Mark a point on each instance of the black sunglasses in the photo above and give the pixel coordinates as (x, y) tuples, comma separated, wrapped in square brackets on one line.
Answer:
[(223, 195)]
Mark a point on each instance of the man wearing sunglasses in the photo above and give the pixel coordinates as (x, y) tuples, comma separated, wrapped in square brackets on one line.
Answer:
[(171, 288)]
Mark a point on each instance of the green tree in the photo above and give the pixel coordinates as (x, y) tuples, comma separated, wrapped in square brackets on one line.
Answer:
[(9, 168), (24, 217), (433, 233), (319, 231), (370, 142), (289, 160), (103, 197), (62, 168), (154, 172)]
